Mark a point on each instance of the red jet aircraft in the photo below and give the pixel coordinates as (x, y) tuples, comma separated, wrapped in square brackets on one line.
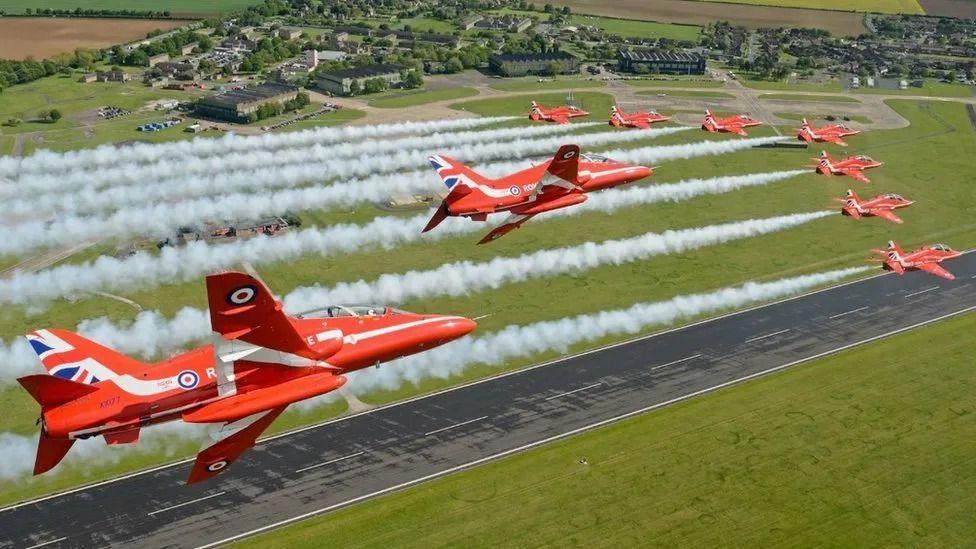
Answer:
[(639, 119), (882, 206), (262, 361), (827, 134), (557, 183), (926, 258), (852, 166), (559, 115), (732, 124)]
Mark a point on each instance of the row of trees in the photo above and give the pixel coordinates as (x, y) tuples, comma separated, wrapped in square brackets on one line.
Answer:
[(88, 12), (269, 52), (269, 110), (21, 72)]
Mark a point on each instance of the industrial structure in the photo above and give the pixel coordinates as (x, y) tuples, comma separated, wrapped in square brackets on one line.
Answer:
[(520, 64), (658, 61), (340, 82), (236, 105)]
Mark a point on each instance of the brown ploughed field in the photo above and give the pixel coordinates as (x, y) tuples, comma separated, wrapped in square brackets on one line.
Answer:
[(41, 37)]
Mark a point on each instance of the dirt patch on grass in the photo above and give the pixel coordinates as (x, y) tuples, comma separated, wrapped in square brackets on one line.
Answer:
[(700, 13), (963, 9), (40, 37)]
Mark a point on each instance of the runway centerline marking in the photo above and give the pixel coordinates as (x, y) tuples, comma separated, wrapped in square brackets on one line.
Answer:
[(574, 391), (921, 291), (48, 542), (852, 311), (331, 461), (673, 362), (185, 503), (442, 429), (757, 338)]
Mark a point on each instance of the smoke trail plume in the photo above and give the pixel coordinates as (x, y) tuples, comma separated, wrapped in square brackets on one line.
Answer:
[(169, 179), (514, 342), (198, 258), (109, 155), (464, 277), (690, 150), (511, 343), (160, 219)]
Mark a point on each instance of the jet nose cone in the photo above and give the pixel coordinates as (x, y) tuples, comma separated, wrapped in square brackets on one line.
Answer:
[(461, 326), (643, 171)]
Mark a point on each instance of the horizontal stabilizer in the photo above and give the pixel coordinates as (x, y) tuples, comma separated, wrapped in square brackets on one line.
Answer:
[(51, 391)]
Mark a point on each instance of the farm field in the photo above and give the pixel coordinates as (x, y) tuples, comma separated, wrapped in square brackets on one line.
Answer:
[(532, 84), (876, 6), (938, 130), (197, 8), (398, 99), (634, 27), (803, 97), (874, 440), (693, 12), (41, 37)]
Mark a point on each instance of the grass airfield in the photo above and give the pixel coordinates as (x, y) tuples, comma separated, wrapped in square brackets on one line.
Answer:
[(938, 130)]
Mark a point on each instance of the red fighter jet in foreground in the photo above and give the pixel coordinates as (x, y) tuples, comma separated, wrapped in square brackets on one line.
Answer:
[(262, 361), (882, 206), (732, 124), (852, 166), (557, 183), (827, 134), (926, 258), (559, 115), (639, 119)]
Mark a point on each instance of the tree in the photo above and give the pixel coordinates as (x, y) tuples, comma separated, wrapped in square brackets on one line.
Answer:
[(54, 115), (354, 88), (413, 79), (453, 65)]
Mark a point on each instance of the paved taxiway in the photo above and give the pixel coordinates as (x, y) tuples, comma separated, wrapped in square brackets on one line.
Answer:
[(321, 468)]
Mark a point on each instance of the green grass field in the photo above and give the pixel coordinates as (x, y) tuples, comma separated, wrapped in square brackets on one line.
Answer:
[(643, 29), (870, 447), (942, 213), (594, 102), (878, 6), (425, 24), (793, 86), (181, 7), (809, 97), (675, 83), (931, 88), (812, 116), (687, 93), (531, 83), (397, 100)]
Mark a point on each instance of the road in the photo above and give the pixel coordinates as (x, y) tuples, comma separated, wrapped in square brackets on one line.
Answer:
[(324, 467)]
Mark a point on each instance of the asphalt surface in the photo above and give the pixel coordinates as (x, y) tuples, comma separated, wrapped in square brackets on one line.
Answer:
[(348, 460)]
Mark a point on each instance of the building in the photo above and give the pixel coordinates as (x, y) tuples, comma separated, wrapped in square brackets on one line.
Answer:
[(106, 76), (658, 61), (520, 64), (340, 82), (470, 21), (188, 49), (157, 59), (88, 77), (507, 23), (238, 105), (288, 33)]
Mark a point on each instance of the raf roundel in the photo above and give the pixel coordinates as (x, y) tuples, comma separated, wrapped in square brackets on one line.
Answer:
[(242, 295), (569, 154), (216, 466), (515, 190), (187, 379)]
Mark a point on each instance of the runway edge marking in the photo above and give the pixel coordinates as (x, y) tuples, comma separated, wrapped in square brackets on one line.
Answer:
[(573, 432), (458, 387)]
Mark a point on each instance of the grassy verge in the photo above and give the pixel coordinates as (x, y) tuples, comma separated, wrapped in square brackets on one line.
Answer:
[(683, 83), (809, 98), (942, 212), (812, 116), (929, 88), (594, 102), (782, 85), (419, 97), (532, 84), (687, 93), (869, 447)]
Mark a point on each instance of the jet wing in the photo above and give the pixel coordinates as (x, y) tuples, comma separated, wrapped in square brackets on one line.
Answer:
[(512, 222), (937, 270), (887, 214), (231, 441), (642, 124), (560, 118), (835, 139), (856, 174)]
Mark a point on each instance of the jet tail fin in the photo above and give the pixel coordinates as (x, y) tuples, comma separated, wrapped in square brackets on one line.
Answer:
[(565, 164), (455, 175), (50, 391)]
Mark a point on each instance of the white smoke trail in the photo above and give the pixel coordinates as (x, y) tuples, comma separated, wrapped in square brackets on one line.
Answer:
[(170, 179), (109, 155), (464, 277), (690, 150), (198, 258), (160, 219), (516, 341), (512, 342)]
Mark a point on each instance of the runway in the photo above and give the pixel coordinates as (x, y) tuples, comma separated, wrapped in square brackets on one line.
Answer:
[(321, 468)]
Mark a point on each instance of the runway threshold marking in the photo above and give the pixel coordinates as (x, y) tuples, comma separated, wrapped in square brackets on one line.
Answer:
[(442, 429), (673, 362), (331, 461), (757, 338), (567, 434), (574, 391), (852, 311), (185, 503), (47, 542), (921, 291)]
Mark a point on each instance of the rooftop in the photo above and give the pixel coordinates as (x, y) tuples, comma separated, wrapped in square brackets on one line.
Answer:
[(550, 56), (249, 95), (365, 71), (647, 54)]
